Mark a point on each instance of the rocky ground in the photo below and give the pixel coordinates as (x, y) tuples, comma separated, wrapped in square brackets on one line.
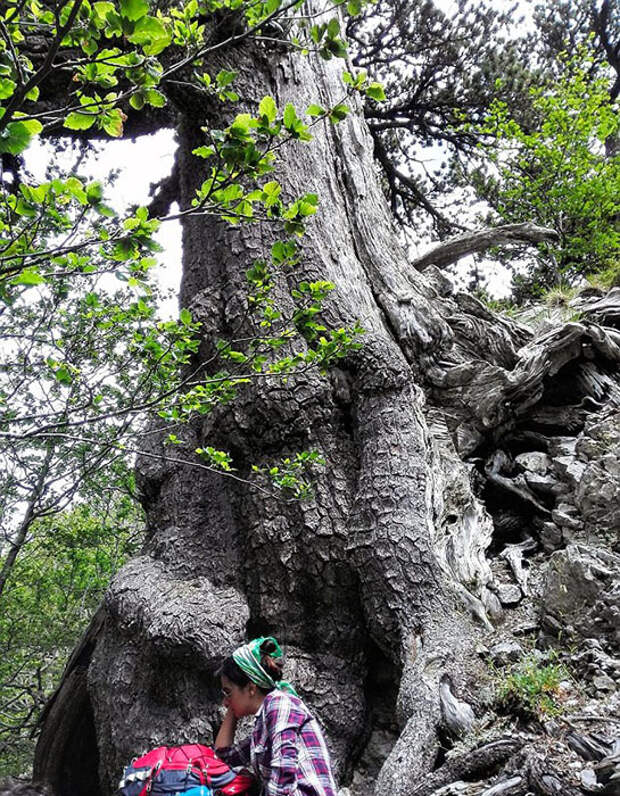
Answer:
[(546, 590)]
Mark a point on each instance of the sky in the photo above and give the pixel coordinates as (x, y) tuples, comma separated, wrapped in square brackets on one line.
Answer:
[(139, 162), (148, 159)]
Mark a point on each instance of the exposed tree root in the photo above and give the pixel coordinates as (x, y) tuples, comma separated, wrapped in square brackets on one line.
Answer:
[(472, 765)]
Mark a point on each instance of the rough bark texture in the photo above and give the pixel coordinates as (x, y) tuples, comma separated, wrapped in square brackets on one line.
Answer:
[(376, 585)]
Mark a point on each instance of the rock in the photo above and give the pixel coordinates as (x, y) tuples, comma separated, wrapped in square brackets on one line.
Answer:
[(506, 652), (565, 520), (525, 628), (508, 787), (508, 594), (586, 746), (598, 494), (581, 594), (492, 605), (562, 446), (569, 469), (534, 462), (589, 781), (602, 682), (458, 715), (545, 484), (551, 537)]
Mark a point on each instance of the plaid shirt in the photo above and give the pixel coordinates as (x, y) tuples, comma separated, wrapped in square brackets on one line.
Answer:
[(286, 750)]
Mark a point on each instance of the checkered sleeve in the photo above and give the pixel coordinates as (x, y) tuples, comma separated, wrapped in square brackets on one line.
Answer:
[(283, 728), (237, 756)]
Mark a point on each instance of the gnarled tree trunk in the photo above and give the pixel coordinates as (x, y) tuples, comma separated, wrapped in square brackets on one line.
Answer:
[(375, 584)]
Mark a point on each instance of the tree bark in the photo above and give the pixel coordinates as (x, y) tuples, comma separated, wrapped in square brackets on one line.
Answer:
[(350, 581), (375, 584)]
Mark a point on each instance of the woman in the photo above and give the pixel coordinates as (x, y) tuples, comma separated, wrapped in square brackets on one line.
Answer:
[(286, 749)]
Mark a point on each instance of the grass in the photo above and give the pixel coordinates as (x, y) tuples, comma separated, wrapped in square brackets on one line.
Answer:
[(531, 688)]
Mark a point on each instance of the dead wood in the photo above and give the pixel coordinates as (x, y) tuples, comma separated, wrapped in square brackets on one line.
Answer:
[(547, 780), (481, 240), (474, 764)]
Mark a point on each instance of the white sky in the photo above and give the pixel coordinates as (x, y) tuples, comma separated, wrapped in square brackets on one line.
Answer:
[(146, 160), (139, 163)]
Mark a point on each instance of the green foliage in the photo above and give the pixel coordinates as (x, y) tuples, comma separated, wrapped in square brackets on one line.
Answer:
[(84, 354), (54, 588), (293, 476), (607, 277), (532, 688), (59, 237), (557, 174)]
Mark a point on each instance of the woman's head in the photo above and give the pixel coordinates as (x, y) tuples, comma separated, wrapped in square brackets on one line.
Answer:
[(271, 665), (251, 672)]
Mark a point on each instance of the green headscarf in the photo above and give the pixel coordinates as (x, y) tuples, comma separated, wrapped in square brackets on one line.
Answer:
[(247, 658)]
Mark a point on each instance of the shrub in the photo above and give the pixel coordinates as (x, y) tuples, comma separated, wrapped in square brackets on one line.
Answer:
[(531, 689)]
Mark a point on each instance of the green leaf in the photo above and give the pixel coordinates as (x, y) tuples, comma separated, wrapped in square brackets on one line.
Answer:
[(80, 121), (30, 276), (290, 116), (101, 10), (134, 9), (7, 87), (225, 78), (267, 107), (337, 47), (315, 110), (112, 122), (155, 98), (333, 28), (151, 34), (185, 317), (137, 100), (376, 91), (338, 113), (203, 151), (17, 135), (94, 193)]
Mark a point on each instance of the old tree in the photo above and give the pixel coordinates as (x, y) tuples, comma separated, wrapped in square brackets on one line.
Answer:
[(392, 583)]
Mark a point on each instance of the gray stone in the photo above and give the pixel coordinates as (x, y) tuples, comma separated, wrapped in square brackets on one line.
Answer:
[(509, 594), (581, 595), (525, 628), (589, 781), (569, 468), (598, 492), (602, 682), (562, 446), (567, 507), (566, 520), (551, 537), (506, 652), (492, 604), (534, 461), (545, 484)]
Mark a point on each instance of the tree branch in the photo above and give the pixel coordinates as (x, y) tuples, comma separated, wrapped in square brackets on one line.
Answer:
[(473, 242)]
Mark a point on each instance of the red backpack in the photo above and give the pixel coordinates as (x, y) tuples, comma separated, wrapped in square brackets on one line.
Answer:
[(173, 769)]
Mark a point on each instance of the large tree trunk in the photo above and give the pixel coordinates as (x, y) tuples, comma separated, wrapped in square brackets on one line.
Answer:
[(375, 584), (350, 580)]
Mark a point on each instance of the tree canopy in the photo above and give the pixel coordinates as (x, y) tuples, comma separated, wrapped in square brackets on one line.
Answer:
[(557, 173)]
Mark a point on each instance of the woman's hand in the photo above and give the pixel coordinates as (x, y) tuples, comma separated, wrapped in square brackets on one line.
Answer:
[(226, 733)]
